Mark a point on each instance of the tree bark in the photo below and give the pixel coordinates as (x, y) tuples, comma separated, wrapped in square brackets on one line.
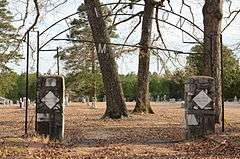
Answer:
[(142, 100), (212, 18), (116, 107)]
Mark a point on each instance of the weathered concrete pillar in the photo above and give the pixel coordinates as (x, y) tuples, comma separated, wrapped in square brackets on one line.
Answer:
[(50, 106), (199, 104)]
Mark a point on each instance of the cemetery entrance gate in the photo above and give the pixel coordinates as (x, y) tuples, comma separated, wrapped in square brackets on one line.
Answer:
[(41, 117)]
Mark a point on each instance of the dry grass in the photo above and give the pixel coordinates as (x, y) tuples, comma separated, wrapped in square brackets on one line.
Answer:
[(140, 136)]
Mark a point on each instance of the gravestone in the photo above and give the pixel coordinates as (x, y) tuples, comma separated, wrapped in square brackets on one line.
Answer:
[(235, 99), (83, 100), (87, 100), (21, 103), (172, 100), (165, 98), (158, 98), (104, 98), (66, 102), (94, 100), (182, 103), (25, 100), (50, 106), (199, 104)]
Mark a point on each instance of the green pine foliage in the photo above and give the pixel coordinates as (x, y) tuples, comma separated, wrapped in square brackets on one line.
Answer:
[(80, 56), (8, 37)]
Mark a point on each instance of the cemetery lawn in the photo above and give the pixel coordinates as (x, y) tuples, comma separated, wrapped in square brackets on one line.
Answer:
[(161, 135)]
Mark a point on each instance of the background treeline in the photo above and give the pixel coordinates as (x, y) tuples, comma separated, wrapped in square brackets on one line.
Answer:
[(13, 85), (170, 84)]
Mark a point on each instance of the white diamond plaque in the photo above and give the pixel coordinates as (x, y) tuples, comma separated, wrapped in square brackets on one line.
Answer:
[(50, 100), (192, 119), (202, 99)]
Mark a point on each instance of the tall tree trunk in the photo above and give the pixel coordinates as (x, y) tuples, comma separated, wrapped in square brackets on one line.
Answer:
[(116, 107), (212, 18), (142, 101)]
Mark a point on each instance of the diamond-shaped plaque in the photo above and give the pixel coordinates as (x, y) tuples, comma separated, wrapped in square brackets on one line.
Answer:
[(202, 99), (50, 100), (192, 119)]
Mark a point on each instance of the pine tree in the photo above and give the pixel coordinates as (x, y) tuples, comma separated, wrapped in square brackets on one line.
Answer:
[(8, 37), (79, 56), (81, 59)]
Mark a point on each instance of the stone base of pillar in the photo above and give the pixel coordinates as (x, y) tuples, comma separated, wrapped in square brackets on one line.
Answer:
[(50, 107), (199, 104)]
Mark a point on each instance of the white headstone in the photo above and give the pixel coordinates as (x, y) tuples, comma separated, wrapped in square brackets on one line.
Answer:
[(66, 101), (158, 98), (235, 99), (172, 100)]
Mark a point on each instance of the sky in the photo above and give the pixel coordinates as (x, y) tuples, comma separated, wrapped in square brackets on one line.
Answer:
[(129, 62)]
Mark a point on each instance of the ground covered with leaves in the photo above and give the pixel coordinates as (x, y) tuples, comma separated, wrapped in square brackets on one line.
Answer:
[(161, 135)]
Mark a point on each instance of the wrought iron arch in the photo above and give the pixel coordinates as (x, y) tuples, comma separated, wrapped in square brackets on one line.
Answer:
[(139, 4)]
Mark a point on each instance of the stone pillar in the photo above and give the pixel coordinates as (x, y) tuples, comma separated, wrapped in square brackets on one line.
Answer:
[(199, 104), (50, 106)]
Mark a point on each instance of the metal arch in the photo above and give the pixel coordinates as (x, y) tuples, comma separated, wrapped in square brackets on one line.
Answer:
[(193, 24), (139, 4), (181, 30), (57, 23), (67, 18), (171, 25), (55, 37), (112, 15), (136, 46)]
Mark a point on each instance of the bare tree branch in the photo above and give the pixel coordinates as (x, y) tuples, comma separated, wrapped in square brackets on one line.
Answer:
[(129, 18)]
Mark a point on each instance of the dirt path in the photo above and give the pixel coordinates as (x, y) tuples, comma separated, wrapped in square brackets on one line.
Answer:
[(140, 136)]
